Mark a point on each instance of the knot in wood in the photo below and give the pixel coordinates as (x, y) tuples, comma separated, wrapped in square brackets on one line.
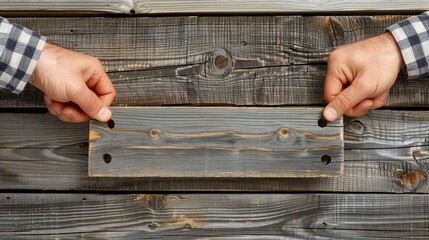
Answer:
[(154, 132), (357, 127), (283, 132), (220, 64)]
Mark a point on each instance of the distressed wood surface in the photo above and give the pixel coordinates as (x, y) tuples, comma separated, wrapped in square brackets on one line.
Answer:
[(249, 216), (385, 151), (218, 6), (218, 142), (262, 60), (34, 6), (276, 6)]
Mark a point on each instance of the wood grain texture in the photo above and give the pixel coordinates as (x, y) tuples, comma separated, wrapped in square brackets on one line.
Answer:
[(213, 6), (218, 142), (270, 60), (385, 151), (276, 6), (110, 6), (249, 216)]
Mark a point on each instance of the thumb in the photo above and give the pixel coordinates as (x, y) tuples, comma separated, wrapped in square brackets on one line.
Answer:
[(91, 104), (343, 103)]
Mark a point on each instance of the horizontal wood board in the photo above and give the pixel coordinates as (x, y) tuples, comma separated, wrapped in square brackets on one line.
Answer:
[(264, 60), (385, 151), (217, 6), (218, 142), (185, 216)]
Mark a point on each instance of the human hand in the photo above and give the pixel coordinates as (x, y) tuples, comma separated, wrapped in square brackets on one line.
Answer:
[(360, 75), (76, 86)]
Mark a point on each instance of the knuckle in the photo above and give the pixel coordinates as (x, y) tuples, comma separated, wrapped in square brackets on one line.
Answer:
[(333, 56)]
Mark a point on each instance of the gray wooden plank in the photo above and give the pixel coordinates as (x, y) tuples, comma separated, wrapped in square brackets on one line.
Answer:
[(276, 6), (249, 216), (22, 6), (213, 6), (215, 142), (272, 60), (55, 157)]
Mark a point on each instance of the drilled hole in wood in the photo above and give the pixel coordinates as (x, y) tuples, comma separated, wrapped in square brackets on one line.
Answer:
[(8, 198), (110, 124), (221, 62), (83, 199), (107, 158), (326, 159), (322, 122)]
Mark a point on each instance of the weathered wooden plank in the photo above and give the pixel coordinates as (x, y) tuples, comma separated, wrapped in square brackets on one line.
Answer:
[(216, 142), (250, 216), (37, 151), (218, 6), (276, 6), (110, 6), (267, 60)]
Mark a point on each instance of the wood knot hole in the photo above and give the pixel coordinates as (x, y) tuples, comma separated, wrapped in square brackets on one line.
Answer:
[(153, 226), (188, 226), (326, 159), (283, 132), (107, 158), (322, 123), (110, 124), (221, 62), (357, 127), (154, 132), (132, 11)]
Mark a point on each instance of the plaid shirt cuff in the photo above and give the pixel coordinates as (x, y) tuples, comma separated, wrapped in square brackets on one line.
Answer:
[(412, 36), (20, 49)]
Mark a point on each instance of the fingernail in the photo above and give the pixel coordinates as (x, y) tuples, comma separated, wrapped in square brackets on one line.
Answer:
[(104, 114), (330, 114)]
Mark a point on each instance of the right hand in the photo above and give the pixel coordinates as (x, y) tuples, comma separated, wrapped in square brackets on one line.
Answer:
[(360, 75)]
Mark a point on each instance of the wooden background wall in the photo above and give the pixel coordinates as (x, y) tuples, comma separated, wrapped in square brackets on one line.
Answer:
[(279, 52)]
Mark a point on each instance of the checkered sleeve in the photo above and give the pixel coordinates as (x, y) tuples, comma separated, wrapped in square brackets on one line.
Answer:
[(20, 49), (412, 36)]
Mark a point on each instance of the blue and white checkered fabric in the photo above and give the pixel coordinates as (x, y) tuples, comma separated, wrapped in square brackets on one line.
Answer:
[(412, 36), (20, 49)]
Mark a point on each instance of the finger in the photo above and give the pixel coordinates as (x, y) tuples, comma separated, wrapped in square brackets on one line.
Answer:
[(90, 103), (332, 85), (361, 108), (101, 84), (380, 100), (104, 89), (343, 102), (74, 114), (55, 108), (335, 78)]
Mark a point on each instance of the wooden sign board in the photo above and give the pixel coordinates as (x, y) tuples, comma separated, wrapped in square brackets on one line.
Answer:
[(226, 142)]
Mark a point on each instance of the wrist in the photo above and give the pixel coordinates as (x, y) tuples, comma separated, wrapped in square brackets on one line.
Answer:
[(393, 51)]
